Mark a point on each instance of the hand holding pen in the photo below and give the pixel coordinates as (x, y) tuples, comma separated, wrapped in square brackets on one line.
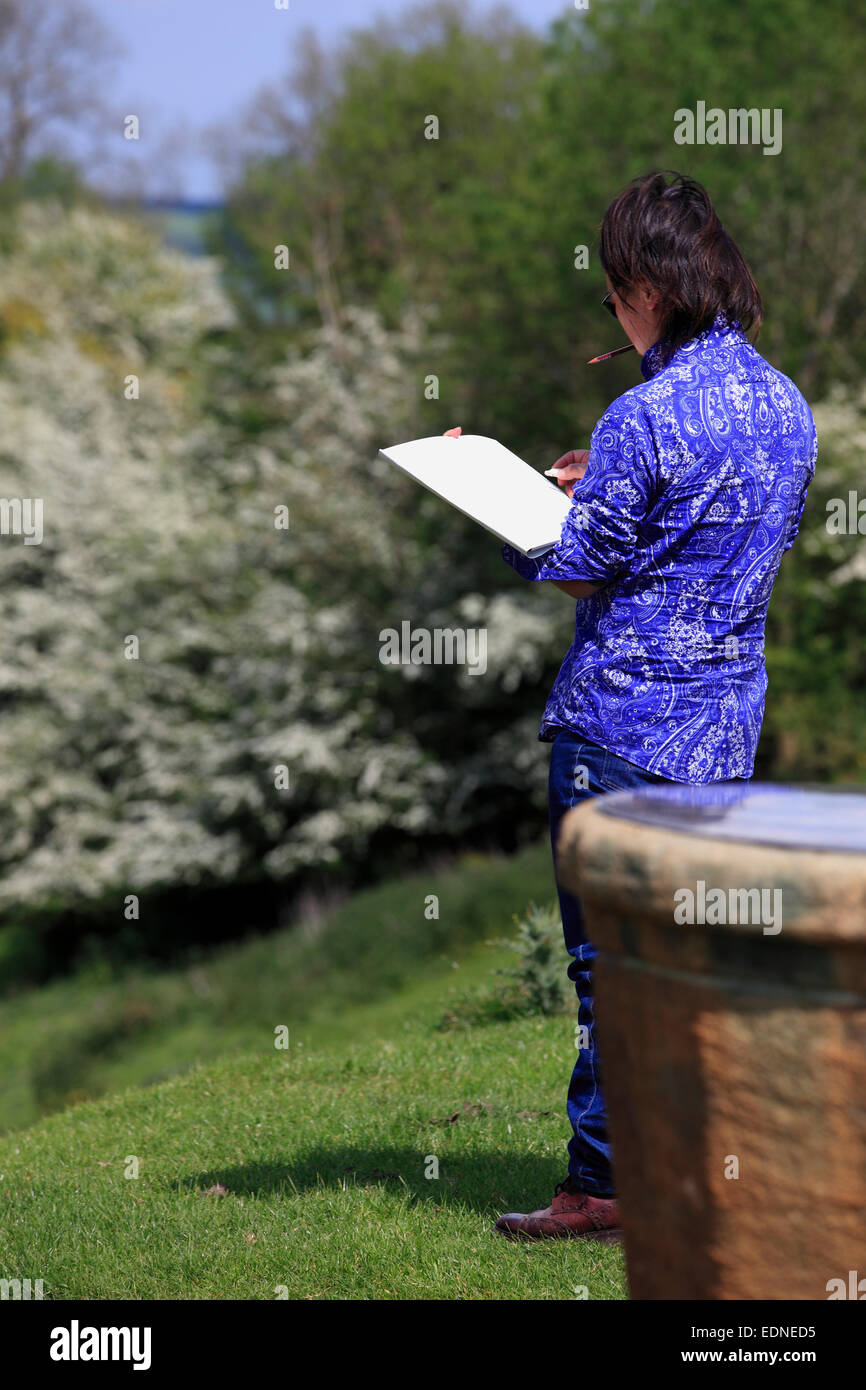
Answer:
[(569, 469)]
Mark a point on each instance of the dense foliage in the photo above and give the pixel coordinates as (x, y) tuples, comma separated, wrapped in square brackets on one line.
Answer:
[(192, 690)]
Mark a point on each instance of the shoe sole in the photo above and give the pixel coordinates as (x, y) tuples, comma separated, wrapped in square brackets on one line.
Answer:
[(613, 1236)]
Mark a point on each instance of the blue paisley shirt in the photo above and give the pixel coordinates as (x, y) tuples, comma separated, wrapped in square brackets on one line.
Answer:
[(695, 486)]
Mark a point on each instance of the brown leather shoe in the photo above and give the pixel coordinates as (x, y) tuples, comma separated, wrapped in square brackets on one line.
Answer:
[(571, 1213)]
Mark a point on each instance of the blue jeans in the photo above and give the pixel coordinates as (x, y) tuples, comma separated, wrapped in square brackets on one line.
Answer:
[(579, 769)]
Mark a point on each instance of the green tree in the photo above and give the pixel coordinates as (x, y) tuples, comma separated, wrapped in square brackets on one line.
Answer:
[(534, 140)]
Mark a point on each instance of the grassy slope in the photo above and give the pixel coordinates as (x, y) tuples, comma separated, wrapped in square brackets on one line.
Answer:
[(84, 1037), (323, 1153), (323, 1148)]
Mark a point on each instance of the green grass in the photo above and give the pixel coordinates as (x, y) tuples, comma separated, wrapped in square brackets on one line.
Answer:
[(323, 1155), (324, 1148), (80, 1038)]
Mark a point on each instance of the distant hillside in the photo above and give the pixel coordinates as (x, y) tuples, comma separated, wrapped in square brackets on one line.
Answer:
[(181, 224)]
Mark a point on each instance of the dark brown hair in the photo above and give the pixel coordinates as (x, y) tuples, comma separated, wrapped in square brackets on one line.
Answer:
[(663, 232)]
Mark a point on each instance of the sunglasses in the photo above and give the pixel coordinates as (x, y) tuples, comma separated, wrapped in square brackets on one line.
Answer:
[(606, 303)]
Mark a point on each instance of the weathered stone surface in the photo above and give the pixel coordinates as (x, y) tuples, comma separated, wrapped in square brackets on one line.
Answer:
[(727, 1049)]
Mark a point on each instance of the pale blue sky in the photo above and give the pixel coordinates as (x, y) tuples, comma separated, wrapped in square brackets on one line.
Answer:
[(191, 63)]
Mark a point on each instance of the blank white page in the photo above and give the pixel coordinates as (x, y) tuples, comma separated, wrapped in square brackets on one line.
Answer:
[(485, 480)]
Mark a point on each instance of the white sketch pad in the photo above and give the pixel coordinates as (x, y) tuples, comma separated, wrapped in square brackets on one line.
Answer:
[(484, 480)]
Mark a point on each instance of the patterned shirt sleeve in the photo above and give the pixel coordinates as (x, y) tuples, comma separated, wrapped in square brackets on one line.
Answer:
[(794, 527), (608, 504)]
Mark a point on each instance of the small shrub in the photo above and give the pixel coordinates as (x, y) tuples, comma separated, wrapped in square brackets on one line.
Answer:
[(536, 985), (541, 968)]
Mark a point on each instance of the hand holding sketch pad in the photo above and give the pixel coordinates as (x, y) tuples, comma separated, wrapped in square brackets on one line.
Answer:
[(484, 480)]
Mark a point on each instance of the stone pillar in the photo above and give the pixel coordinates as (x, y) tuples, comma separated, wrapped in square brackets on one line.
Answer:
[(731, 1003)]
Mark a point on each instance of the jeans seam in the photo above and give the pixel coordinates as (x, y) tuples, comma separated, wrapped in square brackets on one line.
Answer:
[(579, 761)]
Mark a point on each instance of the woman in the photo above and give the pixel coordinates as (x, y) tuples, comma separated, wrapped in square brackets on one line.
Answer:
[(682, 507)]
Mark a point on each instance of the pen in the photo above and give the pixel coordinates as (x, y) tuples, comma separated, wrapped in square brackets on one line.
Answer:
[(605, 355)]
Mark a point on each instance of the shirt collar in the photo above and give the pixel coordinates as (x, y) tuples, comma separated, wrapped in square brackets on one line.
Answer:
[(714, 336)]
